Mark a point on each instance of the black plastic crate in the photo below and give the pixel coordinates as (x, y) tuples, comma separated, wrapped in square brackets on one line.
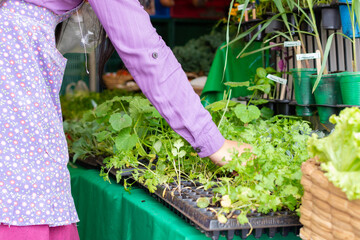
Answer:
[(205, 220)]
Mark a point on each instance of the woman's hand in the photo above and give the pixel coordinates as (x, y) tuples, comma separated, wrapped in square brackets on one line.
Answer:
[(227, 150)]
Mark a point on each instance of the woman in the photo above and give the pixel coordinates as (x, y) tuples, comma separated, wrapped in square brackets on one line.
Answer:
[(35, 197)]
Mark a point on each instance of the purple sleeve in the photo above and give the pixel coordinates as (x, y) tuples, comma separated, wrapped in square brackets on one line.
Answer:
[(158, 73)]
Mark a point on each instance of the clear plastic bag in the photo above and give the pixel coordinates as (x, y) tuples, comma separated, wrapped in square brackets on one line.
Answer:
[(81, 32)]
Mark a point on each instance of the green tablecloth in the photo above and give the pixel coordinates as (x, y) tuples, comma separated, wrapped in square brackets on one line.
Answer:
[(108, 212), (237, 70)]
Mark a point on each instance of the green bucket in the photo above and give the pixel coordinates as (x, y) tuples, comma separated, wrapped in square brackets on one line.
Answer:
[(303, 95), (328, 93), (350, 88)]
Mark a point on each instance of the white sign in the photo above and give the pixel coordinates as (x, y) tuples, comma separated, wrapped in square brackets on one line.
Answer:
[(242, 6), (292, 44), (277, 79), (307, 56)]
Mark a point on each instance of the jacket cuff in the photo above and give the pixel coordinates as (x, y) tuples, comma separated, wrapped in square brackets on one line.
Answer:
[(209, 142)]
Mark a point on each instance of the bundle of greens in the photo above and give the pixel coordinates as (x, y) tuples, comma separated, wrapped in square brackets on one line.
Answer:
[(340, 152)]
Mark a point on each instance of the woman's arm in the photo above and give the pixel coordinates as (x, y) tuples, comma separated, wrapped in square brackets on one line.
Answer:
[(158, 73)]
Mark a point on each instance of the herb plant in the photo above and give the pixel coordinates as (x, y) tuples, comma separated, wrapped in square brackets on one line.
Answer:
[(128, 130)]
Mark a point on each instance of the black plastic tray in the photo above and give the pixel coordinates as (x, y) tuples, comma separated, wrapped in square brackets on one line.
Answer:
[(205, 220)]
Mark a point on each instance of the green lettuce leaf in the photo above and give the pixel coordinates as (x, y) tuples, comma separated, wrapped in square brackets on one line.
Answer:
[(340, 152)]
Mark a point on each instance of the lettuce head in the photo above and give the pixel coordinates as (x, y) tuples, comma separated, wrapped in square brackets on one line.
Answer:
[(340, 152)]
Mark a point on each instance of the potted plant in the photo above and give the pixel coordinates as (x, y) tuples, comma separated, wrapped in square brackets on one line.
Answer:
[(349, 81)]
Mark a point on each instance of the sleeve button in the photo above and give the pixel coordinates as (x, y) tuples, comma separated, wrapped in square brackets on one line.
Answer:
[(155, 55), (197, 150)]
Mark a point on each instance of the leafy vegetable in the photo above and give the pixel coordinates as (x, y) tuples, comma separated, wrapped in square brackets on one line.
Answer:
[(340, 152)]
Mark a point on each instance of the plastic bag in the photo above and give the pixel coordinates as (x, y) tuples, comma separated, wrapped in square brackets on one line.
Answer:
[(81, 32)]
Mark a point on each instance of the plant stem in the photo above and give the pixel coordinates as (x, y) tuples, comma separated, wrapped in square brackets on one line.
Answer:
[(226, 107)]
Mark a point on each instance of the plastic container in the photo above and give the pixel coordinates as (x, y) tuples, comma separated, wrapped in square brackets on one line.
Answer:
[(303, 88), (350, 88), (330, 18), (346, 21), (327, 93)]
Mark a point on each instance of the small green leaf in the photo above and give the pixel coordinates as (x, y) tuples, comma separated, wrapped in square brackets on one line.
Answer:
[(237, 84), (261, 72), (266, 113), (242, 218), (182, 153), (88, 116), (157, 146), (178, 144), (219, 105), (174, 152), (203, 202), (119, 121), (270, 70), (103, 109), (140, 149), (247, 114), (124, 141), (259, 101), (264, 88), (221, 218), (101, 136)]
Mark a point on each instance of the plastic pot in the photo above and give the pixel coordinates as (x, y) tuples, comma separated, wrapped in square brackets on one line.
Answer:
[(249, 24), (330, 18), (275, 25), (327, 93), (346, 21), (350, 88), (284, 108), (303, 95)]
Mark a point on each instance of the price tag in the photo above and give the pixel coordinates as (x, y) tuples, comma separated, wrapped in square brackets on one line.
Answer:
[(277, 79), (292, 44), (307, 56), (242, 6)]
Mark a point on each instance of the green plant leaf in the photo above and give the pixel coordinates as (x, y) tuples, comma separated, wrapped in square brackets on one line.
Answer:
[(242, 219), (261, 72), (103, 109), (157, 146), (178, 144), (247, 114), (259, 101), (101, 136), (219, 105), (266, 113), (237, 84), (124, 141), (203, 202), (120, 121), (264, 88)]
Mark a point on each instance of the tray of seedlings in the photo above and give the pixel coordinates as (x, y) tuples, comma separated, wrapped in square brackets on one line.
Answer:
[(186, 202), (261, 198)]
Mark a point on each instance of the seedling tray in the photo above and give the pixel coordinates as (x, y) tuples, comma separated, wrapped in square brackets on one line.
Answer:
[(205, 220)]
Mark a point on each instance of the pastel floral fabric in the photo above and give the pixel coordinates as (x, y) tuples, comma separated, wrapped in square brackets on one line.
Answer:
[(34, 179)]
